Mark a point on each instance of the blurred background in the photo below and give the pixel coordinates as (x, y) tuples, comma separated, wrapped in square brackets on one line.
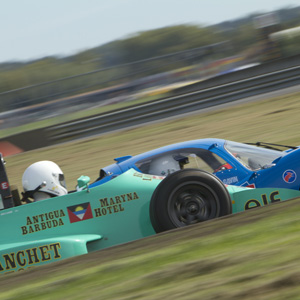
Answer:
[(50, 89)]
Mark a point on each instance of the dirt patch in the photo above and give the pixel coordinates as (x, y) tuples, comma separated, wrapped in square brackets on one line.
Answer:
[(7, 148)]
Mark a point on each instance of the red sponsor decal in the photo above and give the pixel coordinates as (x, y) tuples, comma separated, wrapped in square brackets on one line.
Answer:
[(252, 185), (4, 185)]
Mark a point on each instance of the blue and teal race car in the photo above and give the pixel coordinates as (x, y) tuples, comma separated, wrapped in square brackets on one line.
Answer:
[(126, 205), (259, 165)]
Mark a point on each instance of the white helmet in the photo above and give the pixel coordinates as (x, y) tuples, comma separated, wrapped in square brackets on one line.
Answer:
[(44, 176), (164, 165)]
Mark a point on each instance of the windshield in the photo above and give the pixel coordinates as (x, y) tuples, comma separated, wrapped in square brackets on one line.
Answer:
[(252, 157), (166, 163)]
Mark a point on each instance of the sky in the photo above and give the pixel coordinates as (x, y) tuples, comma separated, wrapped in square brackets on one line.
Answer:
[(32, 29)]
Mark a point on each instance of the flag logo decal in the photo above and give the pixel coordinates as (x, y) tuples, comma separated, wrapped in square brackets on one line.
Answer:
[(80, 212)]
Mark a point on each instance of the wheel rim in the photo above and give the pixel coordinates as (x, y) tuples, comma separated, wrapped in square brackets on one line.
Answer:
[(191, 203)]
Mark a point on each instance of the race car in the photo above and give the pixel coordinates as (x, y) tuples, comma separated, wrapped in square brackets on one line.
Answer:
[(233, 163), (127, 207)]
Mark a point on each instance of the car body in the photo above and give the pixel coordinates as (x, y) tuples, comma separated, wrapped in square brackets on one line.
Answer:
[(234, 163), (127, 207)]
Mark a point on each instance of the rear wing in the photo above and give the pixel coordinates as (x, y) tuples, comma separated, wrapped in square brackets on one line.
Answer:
[(6, 198)]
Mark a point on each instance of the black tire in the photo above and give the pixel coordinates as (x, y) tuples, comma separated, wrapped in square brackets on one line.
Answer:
[(187, 197)]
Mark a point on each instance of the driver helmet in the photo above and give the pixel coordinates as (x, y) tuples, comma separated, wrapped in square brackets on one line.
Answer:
[(164, 165), (46, 177)]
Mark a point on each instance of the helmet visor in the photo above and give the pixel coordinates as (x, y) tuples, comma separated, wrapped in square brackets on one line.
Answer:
[(61, 179)]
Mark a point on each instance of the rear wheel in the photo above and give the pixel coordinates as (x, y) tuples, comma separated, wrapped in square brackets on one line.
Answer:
[(187, 197)]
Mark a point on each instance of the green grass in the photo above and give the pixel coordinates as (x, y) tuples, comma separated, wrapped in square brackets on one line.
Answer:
[(252, 255)]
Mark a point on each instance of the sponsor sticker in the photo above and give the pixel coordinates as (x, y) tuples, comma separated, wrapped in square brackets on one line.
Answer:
[(230, 180), (289, 176), (248, 185), (80, 212), (4, 185), (252, 185)]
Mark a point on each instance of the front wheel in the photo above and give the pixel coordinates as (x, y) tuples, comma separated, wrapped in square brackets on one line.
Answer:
[(187, 197)]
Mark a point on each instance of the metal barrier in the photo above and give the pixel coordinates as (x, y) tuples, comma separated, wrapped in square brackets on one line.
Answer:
[(176, 105)]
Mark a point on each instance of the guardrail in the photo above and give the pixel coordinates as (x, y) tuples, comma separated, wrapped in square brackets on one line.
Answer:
[(176, 105)]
